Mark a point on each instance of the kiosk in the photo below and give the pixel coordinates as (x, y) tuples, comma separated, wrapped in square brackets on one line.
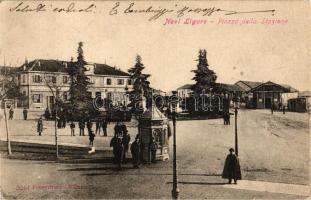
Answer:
[(153, 123)]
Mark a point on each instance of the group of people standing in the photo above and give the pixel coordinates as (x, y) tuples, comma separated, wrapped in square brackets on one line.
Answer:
[(120, 143)]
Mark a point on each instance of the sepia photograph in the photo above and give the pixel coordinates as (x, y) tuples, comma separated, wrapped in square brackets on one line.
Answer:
[(155, 99)]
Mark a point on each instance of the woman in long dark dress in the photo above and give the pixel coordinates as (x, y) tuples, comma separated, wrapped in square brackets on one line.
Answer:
[(232, 167)]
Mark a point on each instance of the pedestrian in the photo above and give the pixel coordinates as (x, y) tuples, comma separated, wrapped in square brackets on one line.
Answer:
[(25, 113), (271, 109), (89, 126), (104, 126), (118, 129), (72, 127), (113, 144), (153, 150), (125, 141), (64, 120), (232, 167), (47, 114), (98, 126), (123, 129), (135, 150), (40, 126), (91, 137), (11, 113), (59, 123), (81, 127), (224, 118), (283, 108), (228, 118), (119, 152)]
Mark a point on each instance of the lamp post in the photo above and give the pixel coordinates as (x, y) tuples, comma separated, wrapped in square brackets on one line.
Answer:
[(236, 107), (175, 191)]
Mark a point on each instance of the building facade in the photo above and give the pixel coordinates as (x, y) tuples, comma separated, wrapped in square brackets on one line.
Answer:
[(40, 79)]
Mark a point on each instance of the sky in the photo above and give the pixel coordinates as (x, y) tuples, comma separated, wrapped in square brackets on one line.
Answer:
[(253, 52)]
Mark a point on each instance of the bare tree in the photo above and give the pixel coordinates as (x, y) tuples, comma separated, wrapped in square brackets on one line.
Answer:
[(51, 83)]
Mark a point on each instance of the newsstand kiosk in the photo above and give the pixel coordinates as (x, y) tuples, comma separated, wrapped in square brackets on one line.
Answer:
[(153, 123)]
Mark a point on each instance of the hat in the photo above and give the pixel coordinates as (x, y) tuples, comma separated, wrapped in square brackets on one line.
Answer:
[(231, 150)]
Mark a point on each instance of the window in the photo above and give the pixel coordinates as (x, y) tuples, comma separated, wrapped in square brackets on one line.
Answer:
[(65, 79), (36, 98), (120, 81), (129, 82), (108, 81), (51, 99), (37, 79), (24, 78), (53, 79)]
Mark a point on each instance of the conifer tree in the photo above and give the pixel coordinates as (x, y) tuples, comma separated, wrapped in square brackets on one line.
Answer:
[(204, 77), (140, 82), (80, 98)]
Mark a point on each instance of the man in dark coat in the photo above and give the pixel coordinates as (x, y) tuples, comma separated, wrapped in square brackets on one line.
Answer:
[(89, 126), (47, 114), (25, 113), (123, 129), (125, 141), (40, 126), (72, 127), (118, 130), (153, 150), (81, 127), (91, 137), (113, 144), (135, 150), (119, 152), (11, 113), (232, 168), (104, 126)]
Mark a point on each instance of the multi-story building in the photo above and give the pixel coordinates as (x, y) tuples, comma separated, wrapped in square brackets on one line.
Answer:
[(40, 79)]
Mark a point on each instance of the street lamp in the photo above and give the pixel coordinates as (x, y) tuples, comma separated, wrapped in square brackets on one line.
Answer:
[(175, 190), (236, 104)]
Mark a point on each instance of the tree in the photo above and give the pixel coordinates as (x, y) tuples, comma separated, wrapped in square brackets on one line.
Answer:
[(10, 87), (141, 85), (55, 90), (205, 81), (80, 98), (204, 77)]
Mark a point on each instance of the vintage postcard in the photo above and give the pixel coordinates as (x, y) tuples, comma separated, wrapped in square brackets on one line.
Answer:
[(155, 99)]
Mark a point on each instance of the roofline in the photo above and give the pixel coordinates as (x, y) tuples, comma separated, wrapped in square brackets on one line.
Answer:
[(266, 83)]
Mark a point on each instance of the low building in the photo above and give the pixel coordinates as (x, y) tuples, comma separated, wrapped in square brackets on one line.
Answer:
[(301, 103), (267, 95), (36, 76)]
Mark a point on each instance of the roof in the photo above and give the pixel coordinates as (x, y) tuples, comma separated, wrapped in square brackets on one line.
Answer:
[(270, 83), (186, 86), (104, 69), (218, 86), (304, 94), (228, 87), (153, 114), (290, 88), (60, 66), (247, 85)]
